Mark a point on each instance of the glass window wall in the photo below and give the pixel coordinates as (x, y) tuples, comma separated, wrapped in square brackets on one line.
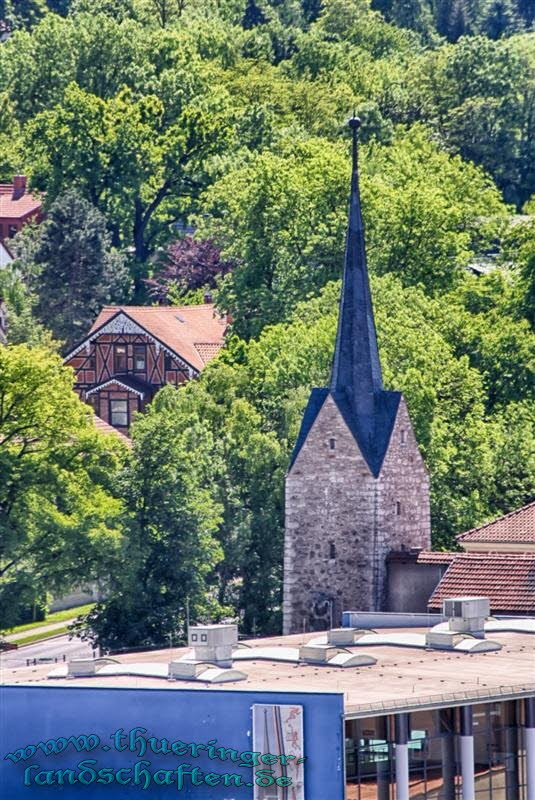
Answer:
[(434, 755)]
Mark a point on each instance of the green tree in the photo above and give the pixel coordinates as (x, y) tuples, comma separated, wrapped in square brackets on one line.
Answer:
[(18, 289), (443, 352), (59, 516), (480, 96), (22, 13), (78, 270), (137, 162), (281, 219), (500, 19), (169, 550)]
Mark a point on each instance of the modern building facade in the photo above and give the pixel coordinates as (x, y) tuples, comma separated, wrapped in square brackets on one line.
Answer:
[(387, 716), (420, 580), (357, 487)]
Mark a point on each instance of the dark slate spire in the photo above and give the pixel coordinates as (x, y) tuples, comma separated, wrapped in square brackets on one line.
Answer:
[(356, 371), (356, 383)]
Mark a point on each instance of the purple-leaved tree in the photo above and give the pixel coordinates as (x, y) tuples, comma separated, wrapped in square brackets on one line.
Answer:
[(186, 266)]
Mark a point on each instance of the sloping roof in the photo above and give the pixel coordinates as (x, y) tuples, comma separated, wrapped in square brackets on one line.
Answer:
[(128, 382), (435, 557), (103, 427), (507, 579), (207, 350), (196, 333), (373, 448), (13, 207), (517, 527)]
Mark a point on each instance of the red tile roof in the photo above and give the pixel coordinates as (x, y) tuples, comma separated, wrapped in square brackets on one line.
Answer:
[(507, 579), (103, 427), (17, 206), (207, 350), (517, 527), (196, 333), (435, 557)]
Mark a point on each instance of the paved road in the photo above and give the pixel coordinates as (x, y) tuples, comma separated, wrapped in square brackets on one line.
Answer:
[(49, 649)]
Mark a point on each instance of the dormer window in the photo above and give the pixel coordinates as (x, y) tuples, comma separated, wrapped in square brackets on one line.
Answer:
[(403, 436), (398, 508), (332, 444), (332, 551)]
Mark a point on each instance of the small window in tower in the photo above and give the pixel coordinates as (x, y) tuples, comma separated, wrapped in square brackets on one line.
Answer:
[(332, 444), (204, 637), (332, 550), (398, 508), (193, 637), (403, 436)]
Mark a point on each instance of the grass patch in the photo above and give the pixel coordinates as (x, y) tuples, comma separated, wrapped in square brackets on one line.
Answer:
[(38, 637), (58, 616)]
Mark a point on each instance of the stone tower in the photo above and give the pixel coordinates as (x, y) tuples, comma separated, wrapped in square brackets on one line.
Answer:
[(357, 487)]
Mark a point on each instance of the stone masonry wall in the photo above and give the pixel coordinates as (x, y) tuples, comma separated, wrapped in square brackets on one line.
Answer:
[(403, 480), (341, 521)]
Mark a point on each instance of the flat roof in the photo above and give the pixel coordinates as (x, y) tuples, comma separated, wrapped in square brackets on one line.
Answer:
[(403, 678)]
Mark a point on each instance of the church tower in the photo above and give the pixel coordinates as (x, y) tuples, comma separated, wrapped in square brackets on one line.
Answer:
[(357, 487)]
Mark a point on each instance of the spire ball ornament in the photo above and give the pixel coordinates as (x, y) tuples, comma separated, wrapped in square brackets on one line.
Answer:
[(354, 123)]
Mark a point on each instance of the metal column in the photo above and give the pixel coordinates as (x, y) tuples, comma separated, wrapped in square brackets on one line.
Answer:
[(402, 757), (467, 753)]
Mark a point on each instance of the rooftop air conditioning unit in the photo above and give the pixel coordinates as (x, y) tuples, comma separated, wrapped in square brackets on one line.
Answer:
[(213, 643), (467, 614)]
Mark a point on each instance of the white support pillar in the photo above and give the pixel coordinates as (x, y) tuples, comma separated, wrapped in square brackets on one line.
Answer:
[(529, 737), (467, 754), (402, 757)]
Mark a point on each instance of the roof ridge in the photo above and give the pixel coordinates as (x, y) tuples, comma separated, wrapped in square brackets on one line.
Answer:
[(157, 308)]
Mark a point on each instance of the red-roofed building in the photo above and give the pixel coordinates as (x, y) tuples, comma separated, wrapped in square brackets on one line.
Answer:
[(514, 532), (507, 579), (17, 207), (499, 563), (132, 351)]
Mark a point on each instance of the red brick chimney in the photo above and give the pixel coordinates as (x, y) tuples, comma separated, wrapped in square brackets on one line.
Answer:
[(19, 186)]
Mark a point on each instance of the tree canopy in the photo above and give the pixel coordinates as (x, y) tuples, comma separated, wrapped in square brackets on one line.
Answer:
[(139, 120), (59, 512)]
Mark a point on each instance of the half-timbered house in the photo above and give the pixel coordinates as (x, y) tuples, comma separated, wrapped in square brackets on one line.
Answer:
[(132, 351)]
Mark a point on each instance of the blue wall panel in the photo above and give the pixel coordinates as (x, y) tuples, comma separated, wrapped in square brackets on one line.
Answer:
[(29, 715)]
